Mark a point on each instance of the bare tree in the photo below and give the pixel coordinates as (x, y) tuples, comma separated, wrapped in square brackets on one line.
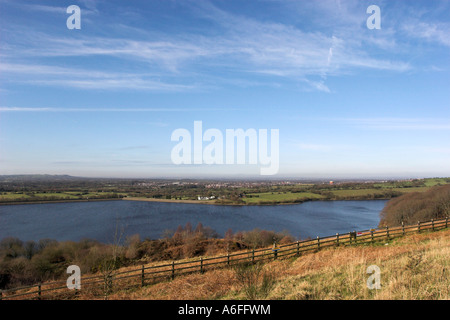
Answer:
[(111, 262)]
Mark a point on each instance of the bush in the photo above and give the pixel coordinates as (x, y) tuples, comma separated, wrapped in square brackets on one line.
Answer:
[(12, 247), (256, 282), (417, 206), (25, 263), (257, 238)]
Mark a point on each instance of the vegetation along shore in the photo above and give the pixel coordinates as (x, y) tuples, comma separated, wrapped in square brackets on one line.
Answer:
[(44, 189)]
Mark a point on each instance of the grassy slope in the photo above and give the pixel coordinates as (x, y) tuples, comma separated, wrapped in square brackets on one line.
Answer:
[(414, 267)]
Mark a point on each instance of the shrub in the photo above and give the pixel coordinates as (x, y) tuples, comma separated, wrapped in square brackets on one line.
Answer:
[(417, 206), (255, 280), (257, 238)]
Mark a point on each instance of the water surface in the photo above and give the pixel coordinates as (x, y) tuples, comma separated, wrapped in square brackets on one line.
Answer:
[(100, 220)]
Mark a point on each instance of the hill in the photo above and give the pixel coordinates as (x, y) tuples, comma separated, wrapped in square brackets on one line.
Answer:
[(38, 178), (413, 267)]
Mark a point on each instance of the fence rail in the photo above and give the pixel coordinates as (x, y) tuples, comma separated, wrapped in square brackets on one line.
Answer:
[(152, 274)]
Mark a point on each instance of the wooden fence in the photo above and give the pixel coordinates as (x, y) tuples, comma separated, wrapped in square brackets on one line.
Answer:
[(99, 285)]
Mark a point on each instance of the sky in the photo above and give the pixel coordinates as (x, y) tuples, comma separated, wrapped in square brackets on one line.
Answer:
[(348, 101)]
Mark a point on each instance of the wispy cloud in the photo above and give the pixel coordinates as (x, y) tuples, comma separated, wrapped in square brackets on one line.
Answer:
[(323, 147), (315, 147), (44, 8), (246, 46), (134, 148), (431, 32), (398, 123), (130, 109), (47, 75), (87, 9)]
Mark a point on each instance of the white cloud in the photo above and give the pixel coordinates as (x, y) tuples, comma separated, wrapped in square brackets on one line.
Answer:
[(128, 109), (323, 147), (398, 123), (38, 74), (433, 32), (245, 46)]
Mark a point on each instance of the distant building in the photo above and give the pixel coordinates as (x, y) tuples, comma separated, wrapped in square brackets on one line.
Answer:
[(331, 182), (206, 198)]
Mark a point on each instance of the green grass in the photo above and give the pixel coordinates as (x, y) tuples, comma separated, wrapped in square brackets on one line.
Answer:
[(12, 196), (364, 192), (356, 192), (280, 197), (435, 181), (30, 196), (412, 189), (428, 182)]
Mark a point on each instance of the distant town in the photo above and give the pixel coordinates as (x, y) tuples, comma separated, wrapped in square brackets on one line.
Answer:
[(44, 188)]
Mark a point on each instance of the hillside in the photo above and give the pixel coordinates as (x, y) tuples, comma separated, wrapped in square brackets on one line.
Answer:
[(413, 267), (417, 206), (38, 178)]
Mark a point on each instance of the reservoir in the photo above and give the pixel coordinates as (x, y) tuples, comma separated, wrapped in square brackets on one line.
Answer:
[(100, 220)]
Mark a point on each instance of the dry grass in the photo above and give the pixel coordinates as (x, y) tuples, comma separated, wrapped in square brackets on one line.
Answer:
[(413, 267), (416, 266), (211, 285)]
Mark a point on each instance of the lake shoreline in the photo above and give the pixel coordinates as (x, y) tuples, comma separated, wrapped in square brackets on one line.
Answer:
[(248, 204), (55, 201), (207, 202)]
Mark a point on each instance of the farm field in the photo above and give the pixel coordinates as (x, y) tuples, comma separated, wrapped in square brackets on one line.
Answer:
[(254, 198), (43, 196), (225, 193)]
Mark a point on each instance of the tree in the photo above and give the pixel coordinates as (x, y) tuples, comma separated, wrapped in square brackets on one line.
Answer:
[(111, 263), (417, 206)]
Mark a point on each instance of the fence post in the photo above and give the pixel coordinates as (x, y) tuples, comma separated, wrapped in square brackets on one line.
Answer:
[(387, 232), (298, 248), (173, 270), (337, 239), (418, 226), (142, 276), (350, 234), (253, 256), (228, 258), (371, 235), (318, 243), (432, 224), (446, 222), (275, 249), (201, 264), (39, 291), (403, 228)]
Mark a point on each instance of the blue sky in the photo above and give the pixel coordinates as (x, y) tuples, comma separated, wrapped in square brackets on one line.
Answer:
[(104, 100)]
